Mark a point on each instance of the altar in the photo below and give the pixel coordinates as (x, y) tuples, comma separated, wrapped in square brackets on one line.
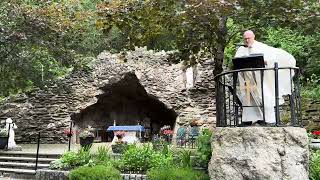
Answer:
[(132, 134)]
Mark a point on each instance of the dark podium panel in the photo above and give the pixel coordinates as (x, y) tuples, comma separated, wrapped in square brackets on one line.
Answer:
[(252, 61)]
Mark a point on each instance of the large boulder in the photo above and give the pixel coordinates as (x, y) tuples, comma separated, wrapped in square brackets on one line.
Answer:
[(259, 153)]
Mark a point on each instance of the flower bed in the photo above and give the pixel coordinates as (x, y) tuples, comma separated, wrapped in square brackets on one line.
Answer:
[(139, 160), (45, 174)]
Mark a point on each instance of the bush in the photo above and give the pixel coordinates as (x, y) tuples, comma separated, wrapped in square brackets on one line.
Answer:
[(185, 159), (311, 88), (70, 160), (140, 159), (173, 173), (67, 161), (95, 173), (204, 150), (315, 165), (102, 156)]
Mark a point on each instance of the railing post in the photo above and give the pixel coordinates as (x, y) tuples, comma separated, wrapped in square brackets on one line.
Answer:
[(298, 99), (218, 100), (38, 146), (276, 78), (70, 135), (234, 95), (262, 95), (292, 98)]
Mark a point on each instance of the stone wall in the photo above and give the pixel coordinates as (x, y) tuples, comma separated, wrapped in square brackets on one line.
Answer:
[(246, 153), (311, 114), (50, 110)]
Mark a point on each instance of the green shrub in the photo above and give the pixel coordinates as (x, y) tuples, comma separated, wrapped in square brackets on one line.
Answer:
[(159, 144), (140, 159), (102, 155), (311, 87), (185, 157), (204, 150), (70, 160), (95, 173), (315, 165), (174, 173), (67, 161)]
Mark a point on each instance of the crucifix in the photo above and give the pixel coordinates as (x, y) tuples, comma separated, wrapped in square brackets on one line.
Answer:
[(248, 87)]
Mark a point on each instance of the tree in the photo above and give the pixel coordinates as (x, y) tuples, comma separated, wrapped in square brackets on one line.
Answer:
[(41, 41), (201, 25)]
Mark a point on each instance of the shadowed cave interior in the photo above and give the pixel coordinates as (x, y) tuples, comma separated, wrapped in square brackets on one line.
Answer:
[(125, 102)]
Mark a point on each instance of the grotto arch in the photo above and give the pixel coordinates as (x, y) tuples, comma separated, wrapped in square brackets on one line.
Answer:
[(125, 102)]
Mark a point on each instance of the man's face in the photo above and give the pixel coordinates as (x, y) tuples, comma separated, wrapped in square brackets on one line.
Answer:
[(248, 39)]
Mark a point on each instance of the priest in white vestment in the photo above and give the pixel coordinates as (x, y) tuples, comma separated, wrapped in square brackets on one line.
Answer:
[(250, 82)]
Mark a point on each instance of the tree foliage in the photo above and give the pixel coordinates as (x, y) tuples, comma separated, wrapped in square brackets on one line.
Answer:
[(43, 40), (197, 26)]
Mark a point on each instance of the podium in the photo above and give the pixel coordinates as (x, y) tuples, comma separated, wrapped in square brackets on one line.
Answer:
[(249, 85), (251, 61)]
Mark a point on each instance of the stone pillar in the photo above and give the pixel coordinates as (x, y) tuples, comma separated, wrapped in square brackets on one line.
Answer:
[(259, 153)]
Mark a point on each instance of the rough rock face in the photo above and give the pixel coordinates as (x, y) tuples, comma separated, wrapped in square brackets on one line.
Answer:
[(259, 153), (311, 113), (51, 109)]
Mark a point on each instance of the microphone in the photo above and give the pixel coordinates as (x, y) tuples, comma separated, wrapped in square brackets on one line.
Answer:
[(238, 45)]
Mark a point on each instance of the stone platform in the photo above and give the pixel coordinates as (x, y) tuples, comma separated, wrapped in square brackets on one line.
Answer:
[(259, 153)]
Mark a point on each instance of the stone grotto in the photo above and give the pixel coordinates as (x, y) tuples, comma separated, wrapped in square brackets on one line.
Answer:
[(139, 87)]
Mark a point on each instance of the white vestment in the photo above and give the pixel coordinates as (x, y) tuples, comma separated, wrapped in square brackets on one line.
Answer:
[(10, 127), (271, 55)]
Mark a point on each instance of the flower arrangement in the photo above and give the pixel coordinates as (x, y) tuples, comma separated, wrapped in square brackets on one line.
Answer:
[(119, 146), (68, 132), (165, 127), (3, 133), (119, 134), (316, 134), (168, 132), (87, 132)]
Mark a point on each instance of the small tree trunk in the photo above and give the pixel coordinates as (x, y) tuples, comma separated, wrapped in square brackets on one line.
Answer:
[(219, 92)]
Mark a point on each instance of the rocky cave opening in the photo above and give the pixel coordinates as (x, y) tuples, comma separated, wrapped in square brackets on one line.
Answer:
[(125, 102)]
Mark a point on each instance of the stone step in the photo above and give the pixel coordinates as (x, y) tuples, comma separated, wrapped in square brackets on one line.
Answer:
[(17, 171), (29, 154), (22, 165), (25, 159)]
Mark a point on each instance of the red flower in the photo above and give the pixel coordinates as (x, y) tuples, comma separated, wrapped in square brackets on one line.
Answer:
[(68, 132), (167, 132), (316, 133)]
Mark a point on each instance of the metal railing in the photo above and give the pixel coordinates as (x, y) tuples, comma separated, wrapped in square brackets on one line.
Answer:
[(36, 139), (230, 104)]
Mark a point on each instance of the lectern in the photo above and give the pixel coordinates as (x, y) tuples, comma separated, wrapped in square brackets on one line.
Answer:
[(251, 61)]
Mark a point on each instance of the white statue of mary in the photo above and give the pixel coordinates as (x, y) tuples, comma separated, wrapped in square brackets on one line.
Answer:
[(10, 126)]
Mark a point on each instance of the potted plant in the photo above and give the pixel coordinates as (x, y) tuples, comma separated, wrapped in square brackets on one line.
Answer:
[(86, 137), (3, 138), (315, 137), (168, 135), (119, 146)]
